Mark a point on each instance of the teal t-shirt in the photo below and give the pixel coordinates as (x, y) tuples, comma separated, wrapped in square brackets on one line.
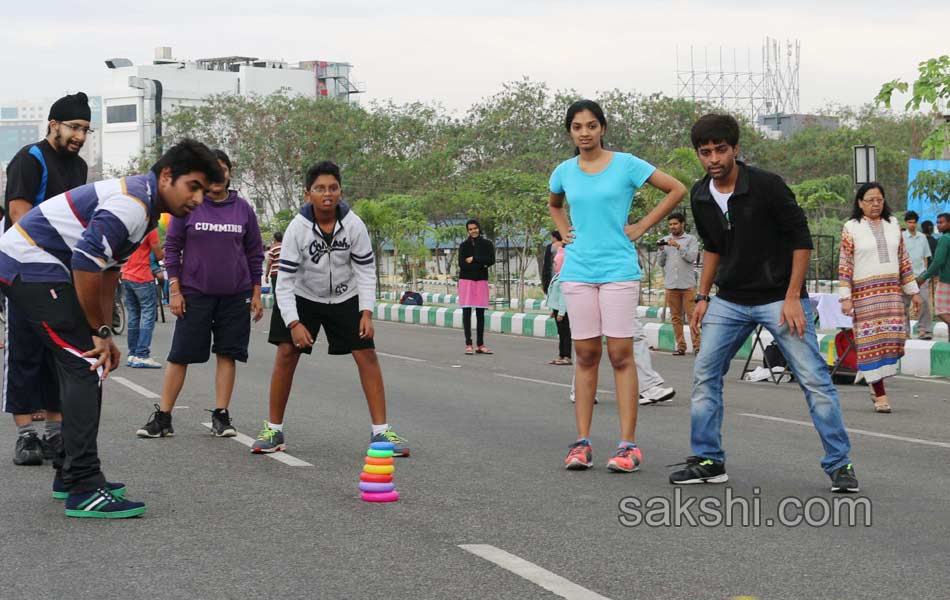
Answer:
[(599, 205)]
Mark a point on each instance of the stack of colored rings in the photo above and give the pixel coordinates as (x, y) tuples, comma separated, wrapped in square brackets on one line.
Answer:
[(376, 480)]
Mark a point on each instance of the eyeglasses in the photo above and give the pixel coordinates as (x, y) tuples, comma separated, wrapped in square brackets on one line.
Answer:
[(80, 128), (325, 190)]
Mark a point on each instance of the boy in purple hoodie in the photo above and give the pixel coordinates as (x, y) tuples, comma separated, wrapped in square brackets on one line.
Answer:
[(214, 258)]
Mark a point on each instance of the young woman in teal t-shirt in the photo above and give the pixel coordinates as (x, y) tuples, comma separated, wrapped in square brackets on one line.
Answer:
[(600, 278)]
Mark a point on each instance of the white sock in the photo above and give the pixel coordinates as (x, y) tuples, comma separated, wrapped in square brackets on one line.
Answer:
[(378, 429), (275, 426)]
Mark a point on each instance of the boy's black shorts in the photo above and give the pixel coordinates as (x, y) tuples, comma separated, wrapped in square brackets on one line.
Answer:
[(228, 318), (340, 321)]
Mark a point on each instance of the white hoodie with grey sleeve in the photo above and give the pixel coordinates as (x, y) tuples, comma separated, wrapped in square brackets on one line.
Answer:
[(329, 269)]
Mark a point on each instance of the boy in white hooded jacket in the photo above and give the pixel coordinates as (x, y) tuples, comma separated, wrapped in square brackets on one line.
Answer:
[(326, 278)]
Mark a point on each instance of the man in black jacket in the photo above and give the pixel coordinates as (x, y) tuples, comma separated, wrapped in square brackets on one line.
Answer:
[(757, 247)]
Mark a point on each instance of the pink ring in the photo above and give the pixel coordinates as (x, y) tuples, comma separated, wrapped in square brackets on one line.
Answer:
[(381, 497)]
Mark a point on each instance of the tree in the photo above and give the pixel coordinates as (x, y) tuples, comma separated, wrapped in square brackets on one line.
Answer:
[(824, 197), (521, 218), (932, 88), (273, 139)]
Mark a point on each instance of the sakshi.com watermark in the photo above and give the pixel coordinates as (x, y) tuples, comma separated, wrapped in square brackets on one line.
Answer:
[(734, 510)]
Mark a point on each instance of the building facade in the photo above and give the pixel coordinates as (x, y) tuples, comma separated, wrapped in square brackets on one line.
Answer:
[(24, 121), (135, 96)]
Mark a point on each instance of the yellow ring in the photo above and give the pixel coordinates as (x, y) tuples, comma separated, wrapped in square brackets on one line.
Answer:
[(379, 469)]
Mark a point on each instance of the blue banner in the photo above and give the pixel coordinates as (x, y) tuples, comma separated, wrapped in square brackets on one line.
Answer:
[(922, 206)]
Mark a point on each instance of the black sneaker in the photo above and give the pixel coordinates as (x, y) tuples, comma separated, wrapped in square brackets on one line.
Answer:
[(102, 504), (159, 425), (61, 493), (28, 451), (843, 481), (221, 423), (52, 445), (699, 470)]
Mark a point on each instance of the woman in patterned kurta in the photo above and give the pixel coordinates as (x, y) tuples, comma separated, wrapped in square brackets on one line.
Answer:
[(873, 272)]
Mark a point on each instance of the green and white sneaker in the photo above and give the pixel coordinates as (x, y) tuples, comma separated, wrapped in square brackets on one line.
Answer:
[(102, 504), (269, 440)]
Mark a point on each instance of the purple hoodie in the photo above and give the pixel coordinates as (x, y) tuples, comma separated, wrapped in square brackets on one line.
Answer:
[(217, 249)]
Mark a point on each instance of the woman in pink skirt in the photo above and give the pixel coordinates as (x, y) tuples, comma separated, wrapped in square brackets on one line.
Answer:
[(476, 254)]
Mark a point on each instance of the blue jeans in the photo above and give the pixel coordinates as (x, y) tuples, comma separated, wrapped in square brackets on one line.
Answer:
[(141, 301), (726, 326)]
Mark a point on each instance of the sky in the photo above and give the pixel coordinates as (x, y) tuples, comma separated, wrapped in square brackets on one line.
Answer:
[(457, 53)]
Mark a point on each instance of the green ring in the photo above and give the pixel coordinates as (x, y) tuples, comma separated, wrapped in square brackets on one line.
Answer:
[(379, 453)]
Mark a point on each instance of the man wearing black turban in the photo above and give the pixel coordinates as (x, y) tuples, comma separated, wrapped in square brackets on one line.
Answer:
[(38, 172)]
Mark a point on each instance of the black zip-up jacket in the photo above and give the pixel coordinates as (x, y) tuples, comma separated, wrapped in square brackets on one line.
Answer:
[(547, 268), (755, 239), (484, 253)]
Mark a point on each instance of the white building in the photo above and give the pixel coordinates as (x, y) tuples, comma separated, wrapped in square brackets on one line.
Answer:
[(134, 94), (24, 121)]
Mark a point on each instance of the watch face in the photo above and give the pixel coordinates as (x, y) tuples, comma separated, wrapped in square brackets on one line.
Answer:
[(105, 331)]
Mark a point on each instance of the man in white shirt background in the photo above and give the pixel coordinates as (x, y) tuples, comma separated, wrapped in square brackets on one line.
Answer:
[(919, 250)]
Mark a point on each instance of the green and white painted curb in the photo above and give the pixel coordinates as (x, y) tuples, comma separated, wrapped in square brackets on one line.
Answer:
[(495, 321), (428, 298), (921, 358)]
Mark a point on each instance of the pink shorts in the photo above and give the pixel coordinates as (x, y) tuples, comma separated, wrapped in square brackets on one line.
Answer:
[(598, 309)]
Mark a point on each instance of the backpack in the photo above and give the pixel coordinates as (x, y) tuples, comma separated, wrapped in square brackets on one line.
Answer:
[(844, 347), (772, 357), (411, 299)]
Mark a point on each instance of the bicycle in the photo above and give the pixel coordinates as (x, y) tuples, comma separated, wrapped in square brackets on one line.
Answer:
[(118, 312)]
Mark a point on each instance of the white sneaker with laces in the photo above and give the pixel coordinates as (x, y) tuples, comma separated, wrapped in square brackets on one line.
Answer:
[(657, 394), (132, 361)]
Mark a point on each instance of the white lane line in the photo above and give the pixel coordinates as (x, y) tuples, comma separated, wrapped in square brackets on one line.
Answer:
[(565, 385), (532, 572), (135, 387), (930, 378), (886, 436), (399, 356), (279, 456)]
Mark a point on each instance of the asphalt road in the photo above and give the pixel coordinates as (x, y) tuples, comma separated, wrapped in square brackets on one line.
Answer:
[(488, 437)]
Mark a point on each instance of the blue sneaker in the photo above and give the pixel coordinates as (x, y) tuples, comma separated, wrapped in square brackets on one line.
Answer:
[(101, 504), (268, 441), (60, 492), (401, 446)]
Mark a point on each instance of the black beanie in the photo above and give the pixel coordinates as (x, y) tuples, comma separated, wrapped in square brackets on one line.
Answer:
[(69, 108)]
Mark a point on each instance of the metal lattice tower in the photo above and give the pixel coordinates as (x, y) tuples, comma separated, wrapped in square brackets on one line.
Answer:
[(754, 91)]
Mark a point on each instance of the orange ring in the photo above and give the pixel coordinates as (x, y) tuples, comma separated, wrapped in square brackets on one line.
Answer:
[(379, 469), (372, 460)]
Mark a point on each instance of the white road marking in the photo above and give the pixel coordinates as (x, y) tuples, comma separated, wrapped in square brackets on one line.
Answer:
[(135, 387), (278, 456), (401, 357), (247, 441), (930, 378), (565, 385), (885, 436), (532, 572)]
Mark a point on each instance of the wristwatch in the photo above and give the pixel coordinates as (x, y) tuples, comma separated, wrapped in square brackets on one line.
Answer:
[(701, 298), (104, 332)]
